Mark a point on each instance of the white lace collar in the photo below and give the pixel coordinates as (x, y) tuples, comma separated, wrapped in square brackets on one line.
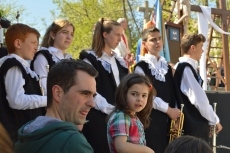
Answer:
[(24, 63), (105, 60), (159, 68), (57, 54)]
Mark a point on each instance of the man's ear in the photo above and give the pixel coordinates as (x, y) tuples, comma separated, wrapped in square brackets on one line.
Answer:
[(57, 93)]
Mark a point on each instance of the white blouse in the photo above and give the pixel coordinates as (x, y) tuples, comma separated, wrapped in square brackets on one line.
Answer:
[(41, 64)]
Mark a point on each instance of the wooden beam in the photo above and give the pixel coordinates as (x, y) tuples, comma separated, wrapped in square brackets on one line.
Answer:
[(215, 11), (225, 51)]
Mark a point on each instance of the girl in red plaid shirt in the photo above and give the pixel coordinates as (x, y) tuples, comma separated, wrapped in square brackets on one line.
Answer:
[(125, 127)]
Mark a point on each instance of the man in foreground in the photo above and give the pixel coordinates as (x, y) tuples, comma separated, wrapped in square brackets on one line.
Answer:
[(71, 88)]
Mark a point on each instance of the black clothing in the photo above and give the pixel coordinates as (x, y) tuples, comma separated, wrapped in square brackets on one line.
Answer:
[(13, 119), (95, 130), (157, 133), (194, 123)]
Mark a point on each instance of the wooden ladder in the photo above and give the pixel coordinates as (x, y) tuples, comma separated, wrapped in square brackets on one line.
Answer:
[(170, 11), (212, 59)]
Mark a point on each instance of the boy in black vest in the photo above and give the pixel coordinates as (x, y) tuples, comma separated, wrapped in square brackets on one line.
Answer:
[(155, 66), (198, 113), (21, 99)]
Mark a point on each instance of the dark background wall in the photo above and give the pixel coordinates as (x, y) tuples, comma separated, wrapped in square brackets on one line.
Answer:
[(223, 111)]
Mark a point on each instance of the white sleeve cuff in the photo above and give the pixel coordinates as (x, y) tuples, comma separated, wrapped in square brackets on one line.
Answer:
[(102, 105), (217, 120), (160, 105)]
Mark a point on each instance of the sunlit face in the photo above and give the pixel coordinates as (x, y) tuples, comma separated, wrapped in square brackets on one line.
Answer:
[(137, 97), (63, 38), (29, 47), (77, 102), (153, 44), (113, 38), (197, 50)]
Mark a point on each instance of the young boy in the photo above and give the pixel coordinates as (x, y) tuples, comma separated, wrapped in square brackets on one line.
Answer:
[(20, 94), (160, 73), (198, 112)]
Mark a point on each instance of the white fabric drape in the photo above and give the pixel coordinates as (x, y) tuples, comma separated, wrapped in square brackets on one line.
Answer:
[(203, 19), (203, 29), (207, 13)]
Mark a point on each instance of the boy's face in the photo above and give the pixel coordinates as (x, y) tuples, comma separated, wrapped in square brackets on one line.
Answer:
[(28, 48), (153, 44), (197, 51)]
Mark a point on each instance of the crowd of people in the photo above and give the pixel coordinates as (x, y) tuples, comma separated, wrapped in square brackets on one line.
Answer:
[(50, 102)]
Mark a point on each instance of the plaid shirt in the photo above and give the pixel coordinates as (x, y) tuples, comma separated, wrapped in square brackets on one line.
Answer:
[(121, 124)]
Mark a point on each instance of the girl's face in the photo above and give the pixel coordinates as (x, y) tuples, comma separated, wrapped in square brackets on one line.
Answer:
[(137, 97), (63, 38), (113, 38), (153, 44)]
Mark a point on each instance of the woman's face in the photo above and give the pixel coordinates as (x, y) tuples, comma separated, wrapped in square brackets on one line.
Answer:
[(63, 38), (113, 38)]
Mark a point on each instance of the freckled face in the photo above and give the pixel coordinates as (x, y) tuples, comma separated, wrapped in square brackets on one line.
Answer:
[(29, 47)]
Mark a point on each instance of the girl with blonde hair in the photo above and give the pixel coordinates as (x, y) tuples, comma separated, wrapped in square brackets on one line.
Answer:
[(57, 39)]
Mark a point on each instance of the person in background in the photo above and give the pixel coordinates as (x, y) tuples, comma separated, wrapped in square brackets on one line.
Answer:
[(111, 69), (57, 39), (125, 127), (157, 69), (188, 144), (122, 49), (140, 48), (21, 99), (69, 99), (198, 113)]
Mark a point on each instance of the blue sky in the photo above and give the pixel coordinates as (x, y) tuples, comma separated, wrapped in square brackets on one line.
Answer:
[(35, 10)]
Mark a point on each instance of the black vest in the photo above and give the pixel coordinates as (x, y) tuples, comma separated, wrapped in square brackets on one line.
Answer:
[(106, 84), (96, 129), (13, 119), (156, 133), (47, 55), (194, 123)]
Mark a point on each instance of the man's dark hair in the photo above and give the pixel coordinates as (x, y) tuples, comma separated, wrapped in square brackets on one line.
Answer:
[(64, 75), (147, 32), (188, 144)]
